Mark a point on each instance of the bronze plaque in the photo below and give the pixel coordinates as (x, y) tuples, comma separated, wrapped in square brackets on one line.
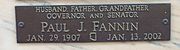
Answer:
[(93, 23)]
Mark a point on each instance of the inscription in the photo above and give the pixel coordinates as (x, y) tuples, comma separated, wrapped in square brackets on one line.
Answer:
[(93, 23)]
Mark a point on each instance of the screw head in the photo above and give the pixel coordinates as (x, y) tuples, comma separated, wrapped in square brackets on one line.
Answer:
[(165, 21), (21, 24)]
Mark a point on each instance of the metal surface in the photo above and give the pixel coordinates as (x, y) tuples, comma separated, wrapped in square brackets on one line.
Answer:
[(93, 23)]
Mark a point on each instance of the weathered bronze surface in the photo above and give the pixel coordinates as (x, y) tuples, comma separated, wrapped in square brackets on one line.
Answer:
[(93, 23)]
